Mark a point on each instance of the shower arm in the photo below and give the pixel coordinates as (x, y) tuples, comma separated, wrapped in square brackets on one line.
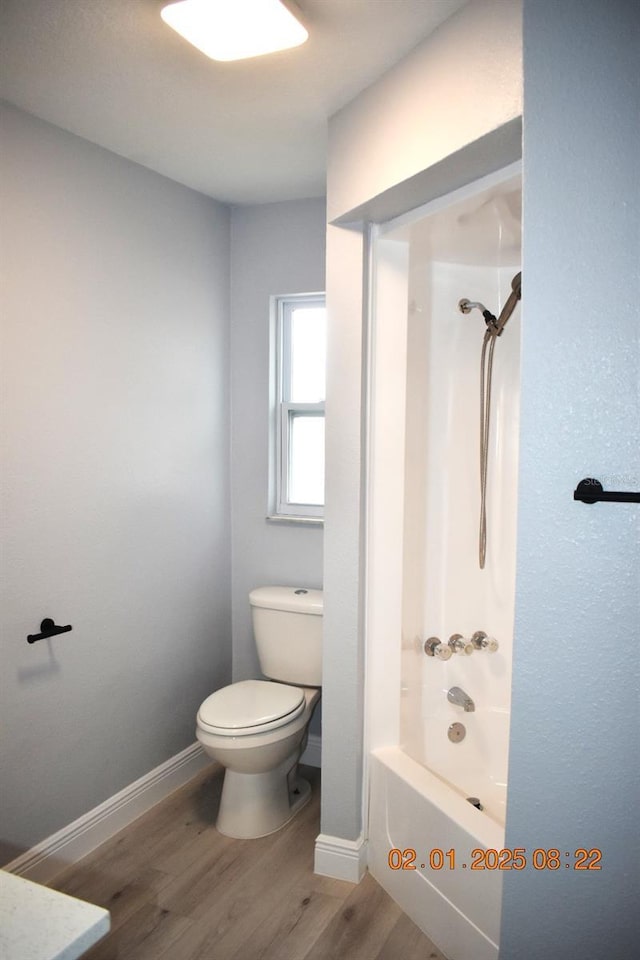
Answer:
[(495, 324), (466, 306)]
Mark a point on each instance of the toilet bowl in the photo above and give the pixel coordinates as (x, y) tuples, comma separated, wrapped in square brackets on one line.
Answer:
[(259, 796), (257, 729)]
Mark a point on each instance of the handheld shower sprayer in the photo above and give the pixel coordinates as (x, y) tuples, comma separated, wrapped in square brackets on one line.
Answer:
[(510, 305)]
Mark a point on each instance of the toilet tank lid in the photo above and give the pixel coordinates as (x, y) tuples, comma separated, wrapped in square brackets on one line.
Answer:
[(293, 599)]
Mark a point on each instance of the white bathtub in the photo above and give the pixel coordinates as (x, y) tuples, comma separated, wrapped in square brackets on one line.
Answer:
[(411, 809)]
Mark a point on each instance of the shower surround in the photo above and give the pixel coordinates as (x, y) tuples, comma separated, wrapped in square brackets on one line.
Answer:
[(428, 754)]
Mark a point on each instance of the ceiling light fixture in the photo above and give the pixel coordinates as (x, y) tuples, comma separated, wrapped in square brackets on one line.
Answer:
[(235, 29)]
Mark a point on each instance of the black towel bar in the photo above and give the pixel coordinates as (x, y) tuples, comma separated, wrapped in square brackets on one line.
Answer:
[(48, 629), (591, 491)]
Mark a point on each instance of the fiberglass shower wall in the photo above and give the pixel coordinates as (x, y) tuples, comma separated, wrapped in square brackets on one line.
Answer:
[(470, 249)]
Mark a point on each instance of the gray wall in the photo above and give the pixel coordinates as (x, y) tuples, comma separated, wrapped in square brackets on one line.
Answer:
[(115, 479), (275, 249), (574, 763)]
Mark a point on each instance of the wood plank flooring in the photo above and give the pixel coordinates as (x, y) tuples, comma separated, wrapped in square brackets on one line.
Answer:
[(179, 890)]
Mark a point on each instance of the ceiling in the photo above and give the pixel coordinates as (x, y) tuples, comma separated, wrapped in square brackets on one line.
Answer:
[(248, 132)]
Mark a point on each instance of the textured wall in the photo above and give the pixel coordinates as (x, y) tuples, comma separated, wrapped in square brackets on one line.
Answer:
[(115, 477), (574, 772)]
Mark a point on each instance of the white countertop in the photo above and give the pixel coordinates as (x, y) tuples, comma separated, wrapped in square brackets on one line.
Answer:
[(37, 923)]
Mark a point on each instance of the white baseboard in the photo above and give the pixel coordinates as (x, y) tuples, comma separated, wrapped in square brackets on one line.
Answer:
[(312, 755), (340, 859), (42, 862)]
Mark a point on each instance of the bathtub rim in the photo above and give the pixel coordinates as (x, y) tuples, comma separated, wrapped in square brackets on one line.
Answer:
[(488, 832)]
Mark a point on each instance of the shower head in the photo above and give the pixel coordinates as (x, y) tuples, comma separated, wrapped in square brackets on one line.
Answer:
[(510, 305)]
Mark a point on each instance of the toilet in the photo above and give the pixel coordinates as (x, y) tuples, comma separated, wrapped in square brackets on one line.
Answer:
[(257, 729)]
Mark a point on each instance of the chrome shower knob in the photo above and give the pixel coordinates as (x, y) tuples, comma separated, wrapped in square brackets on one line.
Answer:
[(459, 645), (433, 648), (481, 641)]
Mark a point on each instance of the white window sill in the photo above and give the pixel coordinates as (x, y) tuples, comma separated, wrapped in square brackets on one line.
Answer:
[(296, 521)]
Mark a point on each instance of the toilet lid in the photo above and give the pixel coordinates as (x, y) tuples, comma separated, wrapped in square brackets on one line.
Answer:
[(250, 704)]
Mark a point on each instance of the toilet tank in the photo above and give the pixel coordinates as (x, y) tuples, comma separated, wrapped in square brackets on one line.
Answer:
[(287, 625)]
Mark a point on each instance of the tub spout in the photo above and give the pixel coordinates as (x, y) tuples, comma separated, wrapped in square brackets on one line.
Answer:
[(461, 699)]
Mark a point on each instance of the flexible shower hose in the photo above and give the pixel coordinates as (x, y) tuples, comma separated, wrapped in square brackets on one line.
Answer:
[(495, 327), (486, 372)]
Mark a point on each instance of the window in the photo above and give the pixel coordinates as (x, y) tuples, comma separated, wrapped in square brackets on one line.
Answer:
[(298, 408)]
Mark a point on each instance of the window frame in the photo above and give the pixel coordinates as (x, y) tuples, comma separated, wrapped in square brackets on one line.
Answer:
[(285, 410)]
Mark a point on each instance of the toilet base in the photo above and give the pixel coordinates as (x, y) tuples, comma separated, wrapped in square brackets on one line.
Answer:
[(254, 805)]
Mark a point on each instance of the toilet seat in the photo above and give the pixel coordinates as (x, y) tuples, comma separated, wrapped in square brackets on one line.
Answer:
[(250, 707)]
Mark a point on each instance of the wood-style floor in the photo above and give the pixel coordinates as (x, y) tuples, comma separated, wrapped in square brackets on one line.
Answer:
[(179, 890)]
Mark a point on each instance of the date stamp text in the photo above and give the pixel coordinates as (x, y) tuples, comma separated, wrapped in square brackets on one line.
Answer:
[(518, 858)]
